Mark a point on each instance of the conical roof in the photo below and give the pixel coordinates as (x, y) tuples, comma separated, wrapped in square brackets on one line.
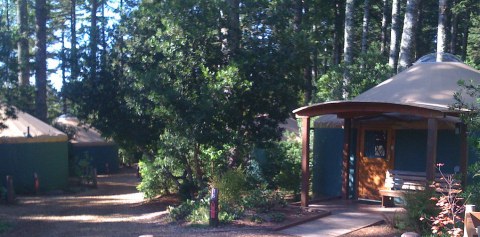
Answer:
[(430, 85), (84, 134), (427, 85), (27, 128)]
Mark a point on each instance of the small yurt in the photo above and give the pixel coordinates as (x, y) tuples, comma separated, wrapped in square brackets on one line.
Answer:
[(87, 144), (29, 146)]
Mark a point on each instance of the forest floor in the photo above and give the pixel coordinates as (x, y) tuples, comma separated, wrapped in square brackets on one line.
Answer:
[(116, 208)]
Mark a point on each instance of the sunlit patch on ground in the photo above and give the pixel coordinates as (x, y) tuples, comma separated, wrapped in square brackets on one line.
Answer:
[(97, 218)]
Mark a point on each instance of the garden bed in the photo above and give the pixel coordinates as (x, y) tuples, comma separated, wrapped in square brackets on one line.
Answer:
[(292, 215)]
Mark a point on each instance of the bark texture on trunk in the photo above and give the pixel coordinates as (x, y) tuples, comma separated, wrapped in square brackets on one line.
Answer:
[(41, 60), (441, 34), (347, 45), (394, 35), (22, 44), (383, 46), (408, 35), (366, 18), (73, 42)]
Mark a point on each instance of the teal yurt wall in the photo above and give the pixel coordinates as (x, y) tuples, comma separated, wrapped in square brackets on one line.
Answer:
[(86, 143), (48, 160), (327, 162), (411, 150), (100, 155), (29, 146)]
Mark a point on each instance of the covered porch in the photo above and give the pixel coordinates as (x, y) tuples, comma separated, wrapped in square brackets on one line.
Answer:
[(363, 115), (412, 104)]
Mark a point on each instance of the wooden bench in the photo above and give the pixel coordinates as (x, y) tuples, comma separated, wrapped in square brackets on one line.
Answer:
[(398, 182)]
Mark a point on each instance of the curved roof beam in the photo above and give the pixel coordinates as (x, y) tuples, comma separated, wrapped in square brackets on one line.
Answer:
[(349, 109)]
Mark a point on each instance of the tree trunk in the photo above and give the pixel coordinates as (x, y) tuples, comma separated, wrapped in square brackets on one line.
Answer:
[(73, 42), (104, 37), (233, 27), (23, 64), (366, 18), (337, 34), (441, 35), (465, 36), (347, 47), (453, 33), (64, 79), (383, 46), (93, 40), (198, 166), (7, 26), (41, 60), (394, 35), (408, 35)]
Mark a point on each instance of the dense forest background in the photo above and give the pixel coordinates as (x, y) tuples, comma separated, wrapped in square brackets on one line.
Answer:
[(190, 87)]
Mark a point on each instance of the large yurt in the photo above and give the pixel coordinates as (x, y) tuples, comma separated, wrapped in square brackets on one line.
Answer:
[(405, 123), (87, 144), (31, 147)]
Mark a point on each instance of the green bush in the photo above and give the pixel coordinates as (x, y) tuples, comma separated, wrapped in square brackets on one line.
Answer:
[(281, 166), (472, 190), (418, 204), (182, 211), (200, 213), (263, 200), (277, 217), (231, 186), (151, 184)]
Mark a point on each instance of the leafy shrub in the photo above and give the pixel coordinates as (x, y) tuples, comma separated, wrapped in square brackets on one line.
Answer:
[(151, 184), (257, 219), (472, 190), (263, 200), (449, 220), (182, 211), (281, 166), (418, 205), (231, 186), (277, 217), (200, 213)]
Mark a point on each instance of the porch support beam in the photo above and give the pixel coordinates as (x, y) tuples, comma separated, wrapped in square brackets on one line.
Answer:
[(432, 148), (463, 153), (347, 138), (305, 161)]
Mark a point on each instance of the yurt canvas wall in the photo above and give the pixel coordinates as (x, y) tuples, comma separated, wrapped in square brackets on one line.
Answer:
[(87, 143), (31, 146)]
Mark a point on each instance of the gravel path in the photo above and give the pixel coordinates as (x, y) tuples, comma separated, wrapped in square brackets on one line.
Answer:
[(115, 208)]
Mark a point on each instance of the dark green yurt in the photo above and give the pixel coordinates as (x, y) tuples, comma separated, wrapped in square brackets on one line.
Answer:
[(87, 144), (29, 146)]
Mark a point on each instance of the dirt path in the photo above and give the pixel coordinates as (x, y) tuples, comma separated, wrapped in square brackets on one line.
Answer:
[(115, 208)]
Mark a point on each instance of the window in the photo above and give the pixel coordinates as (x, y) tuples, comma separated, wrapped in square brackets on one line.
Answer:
[(375, 144)]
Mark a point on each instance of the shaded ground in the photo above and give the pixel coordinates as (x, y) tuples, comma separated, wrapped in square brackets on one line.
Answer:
[(114, 209), (117, 209)]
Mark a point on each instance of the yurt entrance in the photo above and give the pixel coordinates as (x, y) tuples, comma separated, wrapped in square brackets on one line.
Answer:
[(375, 156)]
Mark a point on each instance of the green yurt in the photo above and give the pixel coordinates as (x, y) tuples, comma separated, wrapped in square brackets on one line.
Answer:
[(87, 144), (29, 146)]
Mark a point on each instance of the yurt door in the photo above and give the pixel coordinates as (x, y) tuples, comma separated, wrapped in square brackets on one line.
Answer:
[(375, 153)]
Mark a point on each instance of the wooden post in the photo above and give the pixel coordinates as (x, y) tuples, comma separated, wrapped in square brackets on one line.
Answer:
[(305, 161), (94, 176), (36, 183), (347, 135), (10, 190), (463, 153), (431, 149)]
